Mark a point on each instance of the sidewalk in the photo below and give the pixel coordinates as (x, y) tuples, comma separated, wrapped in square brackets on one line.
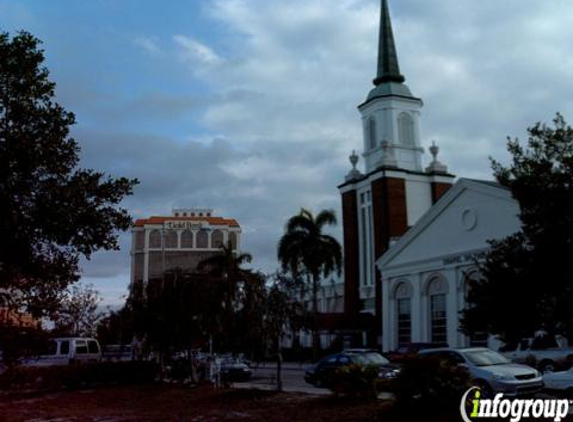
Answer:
[(287, 389)]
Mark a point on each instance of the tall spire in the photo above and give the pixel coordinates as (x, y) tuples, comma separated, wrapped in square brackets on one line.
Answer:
[(388, 67)]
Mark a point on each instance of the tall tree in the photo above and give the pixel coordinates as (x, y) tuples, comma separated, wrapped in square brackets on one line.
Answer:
[(282, 314), (227, 264), (306, 251), (52, 212), (527, 276), (78, 312), (179, 311)]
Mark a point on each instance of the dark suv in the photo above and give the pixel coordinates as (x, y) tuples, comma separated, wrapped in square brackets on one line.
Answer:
[(323, 373)]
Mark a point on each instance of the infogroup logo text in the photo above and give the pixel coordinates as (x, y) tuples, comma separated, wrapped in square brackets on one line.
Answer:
[(514, 410)]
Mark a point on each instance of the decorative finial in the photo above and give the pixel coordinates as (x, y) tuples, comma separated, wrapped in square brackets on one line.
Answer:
[(354, 173), (353, 159), (434, 150), (435, 166)]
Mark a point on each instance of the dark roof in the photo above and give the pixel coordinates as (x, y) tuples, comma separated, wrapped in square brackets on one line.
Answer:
[(388, 67)]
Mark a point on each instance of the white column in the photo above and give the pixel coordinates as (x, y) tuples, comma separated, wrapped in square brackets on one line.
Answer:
[(452, 308), (423, 320), (132, 278), (386, 323), (417, 309), (146, 256)]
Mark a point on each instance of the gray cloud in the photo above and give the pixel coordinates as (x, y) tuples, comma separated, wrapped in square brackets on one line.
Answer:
[(275, 118)]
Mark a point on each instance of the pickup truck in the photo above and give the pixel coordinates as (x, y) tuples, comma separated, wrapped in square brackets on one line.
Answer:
[(546, 357)]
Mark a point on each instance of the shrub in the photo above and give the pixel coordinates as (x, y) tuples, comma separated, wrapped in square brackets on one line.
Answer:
[(356, 381), (21, 378), (429, 385)]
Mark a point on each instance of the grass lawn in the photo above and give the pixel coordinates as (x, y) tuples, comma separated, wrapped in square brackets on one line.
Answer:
[(147, 403)]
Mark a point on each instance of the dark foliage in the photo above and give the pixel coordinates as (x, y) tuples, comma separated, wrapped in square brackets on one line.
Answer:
[(527, 276), (356, 381), (50, 378), (52, 212), (429, 385), (308, 253)]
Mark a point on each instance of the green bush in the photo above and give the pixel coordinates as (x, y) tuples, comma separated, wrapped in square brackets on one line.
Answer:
[(356, 381), (428, 384), (20, 378)]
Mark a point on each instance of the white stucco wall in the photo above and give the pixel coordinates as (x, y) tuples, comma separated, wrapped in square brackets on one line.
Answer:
[(444, 243)]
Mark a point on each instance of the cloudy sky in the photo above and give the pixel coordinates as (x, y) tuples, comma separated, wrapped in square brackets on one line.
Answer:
[(249, 106)]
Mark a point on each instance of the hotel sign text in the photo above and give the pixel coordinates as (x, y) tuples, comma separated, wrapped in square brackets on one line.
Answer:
[(190, 225)]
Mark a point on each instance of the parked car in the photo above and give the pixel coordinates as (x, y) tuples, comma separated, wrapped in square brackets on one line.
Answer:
[(560, 383), (323, 373), (491, 371), (67, 351), (543, 352), (234, 370), (411, 349)]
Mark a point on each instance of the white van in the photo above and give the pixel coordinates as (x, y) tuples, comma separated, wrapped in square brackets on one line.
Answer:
[(67, 351)]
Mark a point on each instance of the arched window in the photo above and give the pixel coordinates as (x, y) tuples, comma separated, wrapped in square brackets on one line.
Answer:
[(187, 239), (403, 297), (437, 295), (155, 239), (479, 338), (171, 239), (202, 239), (406, 129), (372, 133), (233, 240), (217, 239)]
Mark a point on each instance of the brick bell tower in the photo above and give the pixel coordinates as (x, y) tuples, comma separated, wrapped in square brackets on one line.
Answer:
[(379, 205)]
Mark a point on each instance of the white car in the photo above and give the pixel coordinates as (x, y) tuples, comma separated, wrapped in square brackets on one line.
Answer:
[(560, 382), (490, 371), (67, 351)]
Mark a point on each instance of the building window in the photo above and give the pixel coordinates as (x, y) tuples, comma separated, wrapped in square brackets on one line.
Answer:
[(233, 240), (406, 129), (187, 239), (155, 239), (437, 292), (366, 244), (217, 239), (479, 338), (171, 239), (364, 247), (202, 239), (404, 321), (139, 240), (439, 327), (403, 295), (372, 133)]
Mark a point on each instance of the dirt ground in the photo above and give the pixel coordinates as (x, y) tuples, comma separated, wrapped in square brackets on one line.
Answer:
[(151, 403)]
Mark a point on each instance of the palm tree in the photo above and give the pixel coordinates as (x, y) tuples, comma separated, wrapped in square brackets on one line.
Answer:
[(305, 249), (227, 265)]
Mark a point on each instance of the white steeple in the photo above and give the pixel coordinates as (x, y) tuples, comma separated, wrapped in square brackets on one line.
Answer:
[(391, 114)]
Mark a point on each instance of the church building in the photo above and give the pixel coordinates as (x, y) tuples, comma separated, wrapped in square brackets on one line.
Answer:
[(395, 190), (411, 236)]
